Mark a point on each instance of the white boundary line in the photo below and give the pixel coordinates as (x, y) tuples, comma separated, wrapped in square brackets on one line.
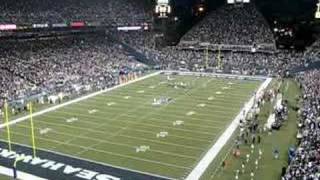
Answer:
[(20, 175), (76, 100), (204, 163)]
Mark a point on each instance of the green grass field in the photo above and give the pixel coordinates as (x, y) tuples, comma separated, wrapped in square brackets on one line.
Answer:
[(269, 167), (123, 128)]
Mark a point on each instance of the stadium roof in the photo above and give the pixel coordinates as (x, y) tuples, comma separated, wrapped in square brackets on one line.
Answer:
[(284, 9)]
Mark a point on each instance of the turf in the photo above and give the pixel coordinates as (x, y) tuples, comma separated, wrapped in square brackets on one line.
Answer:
[(3, 177), (269, 167), (120, 127)]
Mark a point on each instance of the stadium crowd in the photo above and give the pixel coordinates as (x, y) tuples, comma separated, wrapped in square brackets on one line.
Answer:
[(305, 162), (244, 26), (66, 65), (64, 11), (313, 52), (241, 62)]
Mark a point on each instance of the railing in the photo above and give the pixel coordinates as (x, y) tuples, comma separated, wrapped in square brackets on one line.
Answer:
[(306, 67), (268, 48)]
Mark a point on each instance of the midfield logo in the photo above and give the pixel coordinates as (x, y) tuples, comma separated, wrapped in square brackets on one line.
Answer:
[(57, 166)]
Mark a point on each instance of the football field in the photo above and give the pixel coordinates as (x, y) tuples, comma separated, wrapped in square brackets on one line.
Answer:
[(160, 125)]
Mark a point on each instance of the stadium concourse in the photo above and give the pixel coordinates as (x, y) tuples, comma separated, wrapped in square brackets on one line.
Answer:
[(114, 102)]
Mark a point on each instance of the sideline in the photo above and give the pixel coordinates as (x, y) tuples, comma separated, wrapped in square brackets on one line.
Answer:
[(76, 100), (204, 163), (272, 117)]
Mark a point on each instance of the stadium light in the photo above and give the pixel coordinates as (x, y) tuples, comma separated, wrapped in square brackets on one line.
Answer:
[(163, 8), (317, 15)]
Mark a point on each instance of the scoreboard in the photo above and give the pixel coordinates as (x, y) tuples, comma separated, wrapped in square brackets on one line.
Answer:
[(317, 15), (237, 1), (165, 2)]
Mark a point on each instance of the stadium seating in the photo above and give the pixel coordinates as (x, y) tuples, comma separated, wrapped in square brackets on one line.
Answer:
[(64, 11), (304, 164), (232, 25), (59, 65)]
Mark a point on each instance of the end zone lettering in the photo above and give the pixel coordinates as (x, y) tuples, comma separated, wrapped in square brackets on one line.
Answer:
[(57, 166)]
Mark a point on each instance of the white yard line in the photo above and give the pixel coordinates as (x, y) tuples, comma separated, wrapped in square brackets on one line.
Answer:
[(142, 131), (121, 95), (204, 163), (129, 137), (218, 106), (200, 120), (216, 125), (218, 98), (99, 141), (172, 113), (76, 100), (110, 153), (134, 123), (100, 124)]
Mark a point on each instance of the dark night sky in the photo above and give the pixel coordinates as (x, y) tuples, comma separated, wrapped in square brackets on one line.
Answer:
[(184, 2)]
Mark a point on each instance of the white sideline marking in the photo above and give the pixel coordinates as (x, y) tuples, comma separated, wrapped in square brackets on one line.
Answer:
[(211, 98), (140, 92), (76, 100), (21, 175), (203, 164)]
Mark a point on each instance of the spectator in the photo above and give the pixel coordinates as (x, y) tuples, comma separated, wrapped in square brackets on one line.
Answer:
[(61, 65), (305, 163)]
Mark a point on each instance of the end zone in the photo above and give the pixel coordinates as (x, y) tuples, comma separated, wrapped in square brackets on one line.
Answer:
[(60, 166)]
